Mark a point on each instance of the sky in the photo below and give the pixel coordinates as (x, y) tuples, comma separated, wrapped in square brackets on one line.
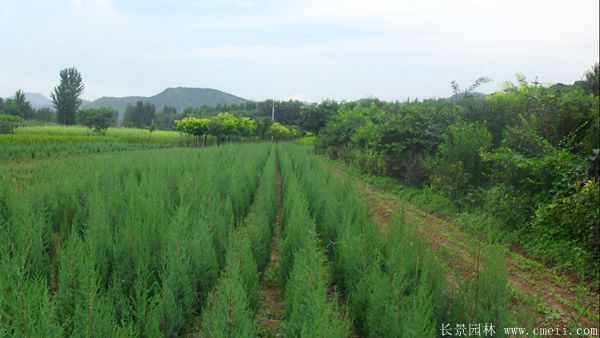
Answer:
[(308, 50)]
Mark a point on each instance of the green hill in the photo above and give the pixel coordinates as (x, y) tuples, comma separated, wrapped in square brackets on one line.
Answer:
[(179, 98)]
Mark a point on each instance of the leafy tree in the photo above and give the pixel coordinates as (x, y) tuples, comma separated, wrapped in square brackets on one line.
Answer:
[(223, 126), (139, 116), (262, 125), (246, 126), (166, 119), (313, 117), (278, 131), (288, 112), (18, 106), (97, 119), (591, 80), (66, 96), (8, 123), (458, 163), (43, 115)]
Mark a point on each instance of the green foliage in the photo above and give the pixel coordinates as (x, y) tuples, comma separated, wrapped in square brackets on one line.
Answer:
[(126, 250), (405, 301), (392, 286), (484, 299), (511, 154), (44, 115), (299, 229), (53, 141), (97, 119), (524, 139), (591, 80), (228, 313), (280, 132), (66, 96), (222, 127), (458, 164), (8, 123), (313, 117), (240, 252), (165, 120), (567, 223), (139, 116), (259, 222), (307, 311), (193, 126), (18, 106), (536, 177)]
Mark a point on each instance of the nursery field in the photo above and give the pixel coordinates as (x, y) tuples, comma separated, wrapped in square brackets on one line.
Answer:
[(239, 240), (50, 141)]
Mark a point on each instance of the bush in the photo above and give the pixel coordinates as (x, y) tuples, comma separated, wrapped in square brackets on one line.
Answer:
[(484, 299), (307, 311), (228, 313), (8, 123), (239, 252), (571, 219), (97, 119), (458, 165)]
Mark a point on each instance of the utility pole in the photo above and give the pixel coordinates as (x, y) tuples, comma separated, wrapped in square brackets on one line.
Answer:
[(273, 112)]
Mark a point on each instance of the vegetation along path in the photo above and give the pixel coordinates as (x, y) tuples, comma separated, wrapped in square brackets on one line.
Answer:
[(555, 299)]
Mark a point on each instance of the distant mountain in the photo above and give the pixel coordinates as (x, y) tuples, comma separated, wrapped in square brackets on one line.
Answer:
[(37, 100), (180, 98)]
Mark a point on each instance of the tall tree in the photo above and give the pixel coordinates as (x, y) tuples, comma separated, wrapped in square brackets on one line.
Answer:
[(66, 95), (18, 106), (591, 79), (139, 116)]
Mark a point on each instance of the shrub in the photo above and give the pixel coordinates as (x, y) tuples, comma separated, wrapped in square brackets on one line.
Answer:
[(8, 123), (484, 299), (228, 313), (97, 119), (568, 222), (307, 311), (458, 165), (239, 253)]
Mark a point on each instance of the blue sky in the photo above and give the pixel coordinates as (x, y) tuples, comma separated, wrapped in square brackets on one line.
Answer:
[(307, 50)]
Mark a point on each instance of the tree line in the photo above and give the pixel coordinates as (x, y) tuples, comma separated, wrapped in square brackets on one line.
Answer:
[(526, 158)]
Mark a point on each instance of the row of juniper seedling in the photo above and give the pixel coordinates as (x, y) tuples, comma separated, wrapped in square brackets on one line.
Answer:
[(233, 304), (142, 244), (119, 245), (393, 284), (303, 273)]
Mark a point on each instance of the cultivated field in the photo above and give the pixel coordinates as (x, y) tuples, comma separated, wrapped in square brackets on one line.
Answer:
[(238, 240), (50, 141)]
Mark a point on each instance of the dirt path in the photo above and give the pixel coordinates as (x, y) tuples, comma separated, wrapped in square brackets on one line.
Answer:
[(536, 289), (270, 316)]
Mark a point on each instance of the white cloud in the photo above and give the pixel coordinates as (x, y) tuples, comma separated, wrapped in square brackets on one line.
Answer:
[(260, 49)]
